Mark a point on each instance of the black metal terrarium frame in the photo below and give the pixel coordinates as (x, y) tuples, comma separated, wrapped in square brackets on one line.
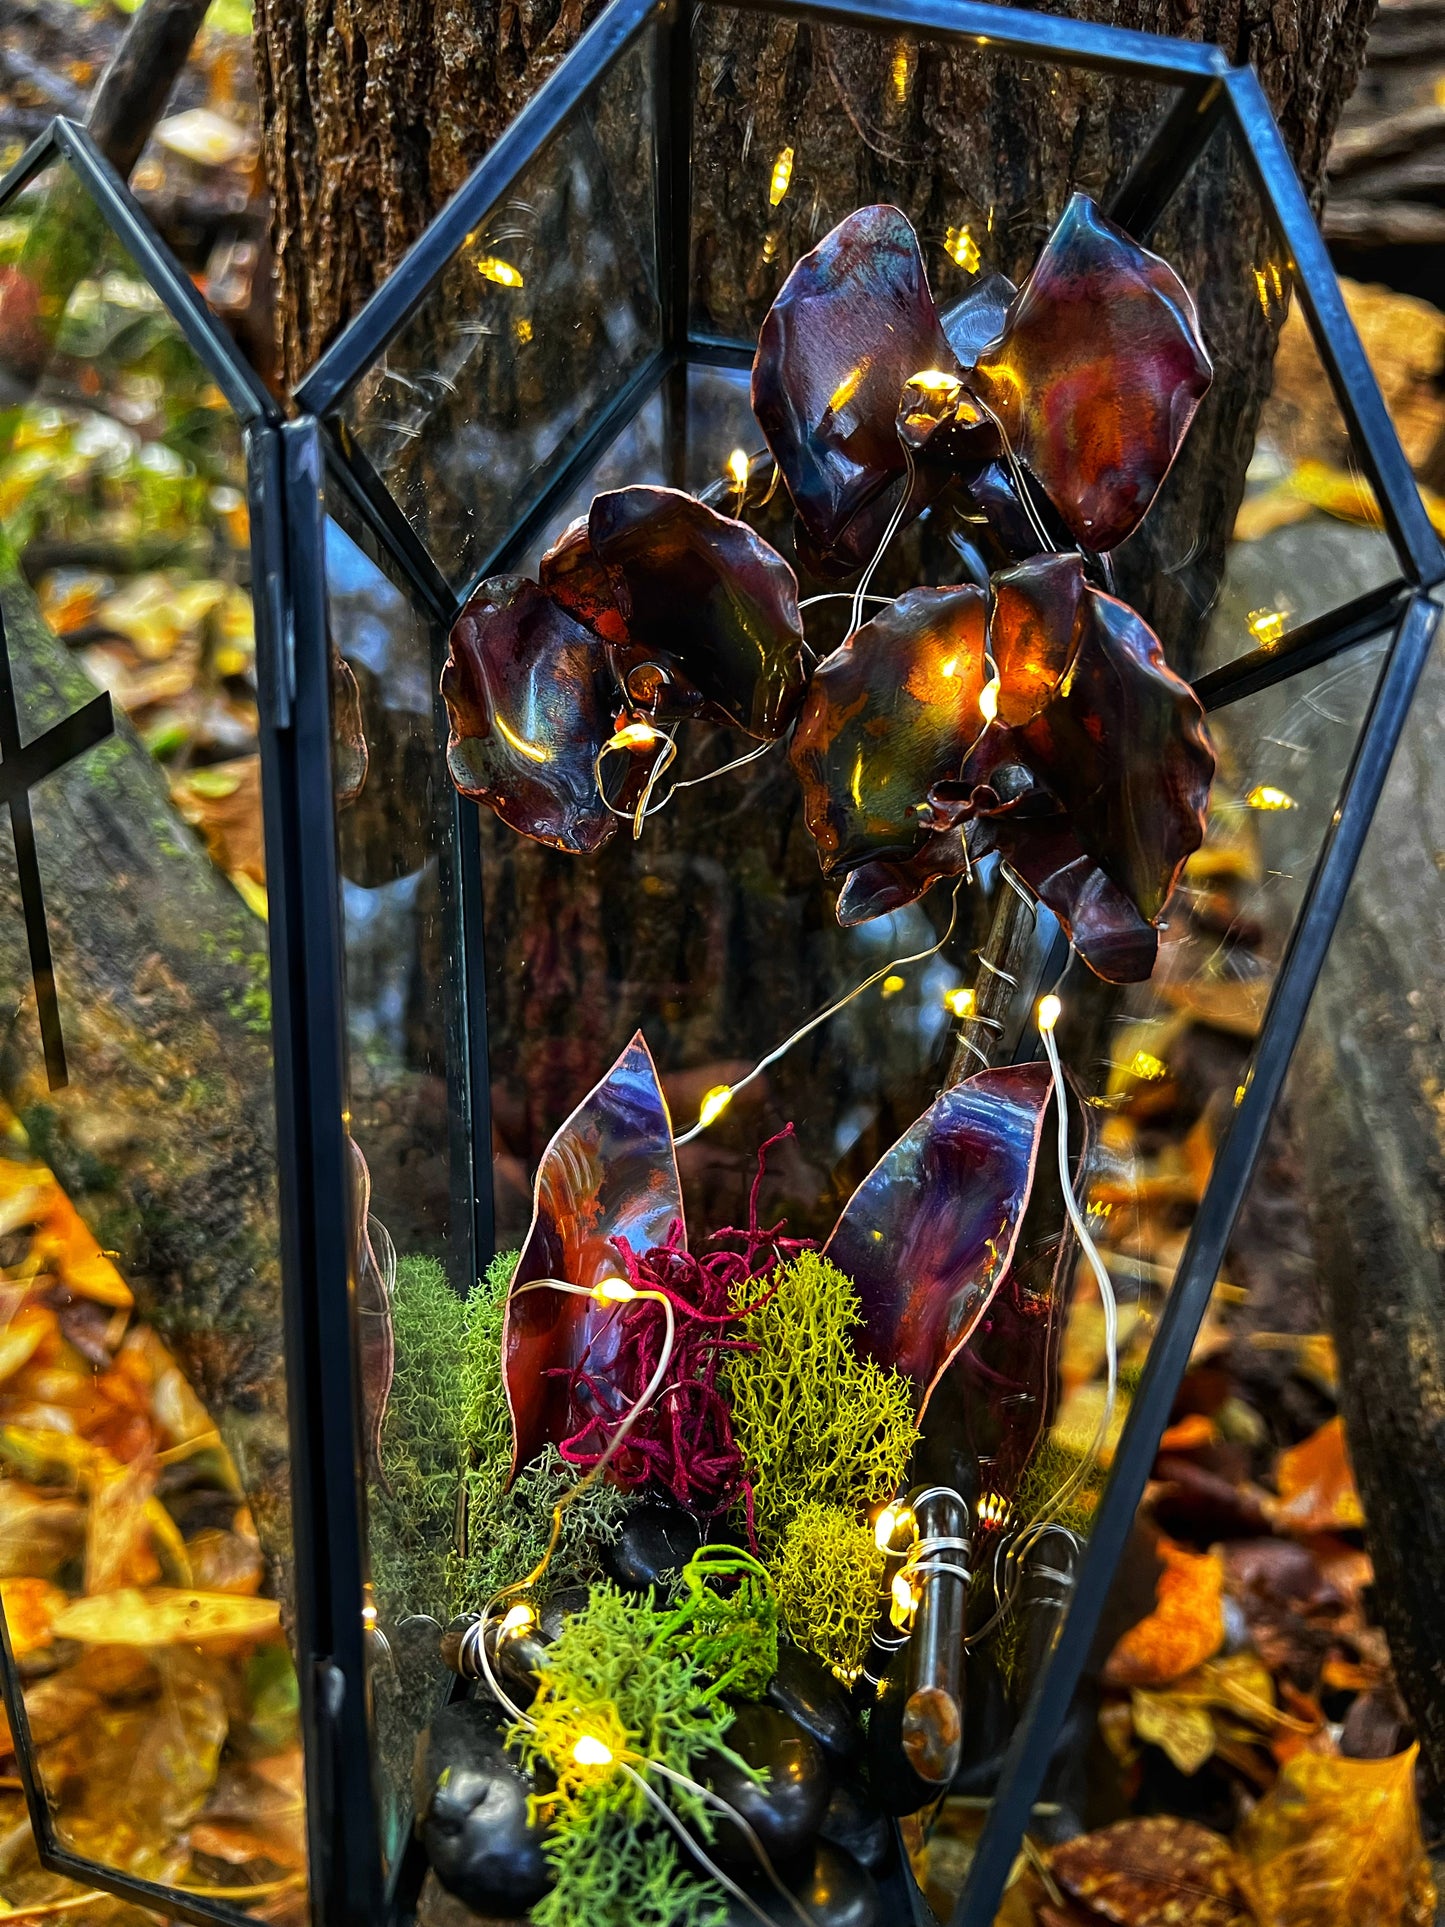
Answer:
[(290, 463)]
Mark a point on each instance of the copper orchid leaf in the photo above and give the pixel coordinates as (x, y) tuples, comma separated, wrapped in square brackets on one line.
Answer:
[(528, 694), (930, 1232), (710, 608), (374, 1272), (891, 712), (571, 574), (854, 319), (607, 1179), (1097, 374), (1122, 744)]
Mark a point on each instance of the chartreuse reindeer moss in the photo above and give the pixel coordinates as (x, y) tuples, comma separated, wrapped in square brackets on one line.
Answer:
[(828, 1572), (507, 1529), (825, 1434), (422, 1447), (732, 1635), (817, 1424), (620, 1677)]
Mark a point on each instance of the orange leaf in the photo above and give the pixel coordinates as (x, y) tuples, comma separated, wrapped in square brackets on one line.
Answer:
[(1316, 1486), (30, 1606), (1185, 1628), (1192, 1432), (1337, 1840)]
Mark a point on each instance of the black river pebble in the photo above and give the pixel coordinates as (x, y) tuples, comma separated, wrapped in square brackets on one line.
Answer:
[(784, 1811), (837, 1893), (856, 1823), (655, 1543), (806, 1689), (471, 1802)]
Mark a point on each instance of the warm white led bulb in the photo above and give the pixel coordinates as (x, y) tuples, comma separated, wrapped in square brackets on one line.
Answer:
[(590, 1751), (1050, 1011)]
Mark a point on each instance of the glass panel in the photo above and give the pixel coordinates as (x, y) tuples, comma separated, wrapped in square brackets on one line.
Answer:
[(147, 1564), (1326, 1308), (533, 328), (1306, 538), (795, 125), (409, 1117), (1161, 1066)]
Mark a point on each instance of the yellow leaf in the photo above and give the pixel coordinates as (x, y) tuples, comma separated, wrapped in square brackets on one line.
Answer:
[(1336, 1843), (160, 1616), (1177, 1724), (202, 136), (1185, 1628), (30, 1608)]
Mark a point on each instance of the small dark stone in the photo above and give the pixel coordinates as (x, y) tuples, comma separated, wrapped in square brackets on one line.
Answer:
[(804, 1688), (560, 1606), (655, 1543), (471, 1803), (785, 1810), (855, 1822), (836, 1893)]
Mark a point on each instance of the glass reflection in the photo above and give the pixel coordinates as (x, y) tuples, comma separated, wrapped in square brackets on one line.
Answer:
[(146, 1565)]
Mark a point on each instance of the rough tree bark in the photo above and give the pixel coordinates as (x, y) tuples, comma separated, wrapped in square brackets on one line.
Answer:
[(1369, 1109)]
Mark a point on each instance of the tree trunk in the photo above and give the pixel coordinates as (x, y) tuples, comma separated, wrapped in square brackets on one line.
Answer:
[(164, 1137), (1369, 1105)]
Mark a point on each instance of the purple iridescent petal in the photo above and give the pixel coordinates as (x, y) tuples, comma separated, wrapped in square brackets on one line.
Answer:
[(853, 321), (1105, 725), (876, 889), (710, 611), (1114, 940), (930, 1232), (1097, 374), (529, 694), (608, 1177), (887, 715), (976, 321)]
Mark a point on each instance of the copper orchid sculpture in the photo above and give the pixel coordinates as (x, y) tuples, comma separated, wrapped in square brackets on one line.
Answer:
[(1035, 718)]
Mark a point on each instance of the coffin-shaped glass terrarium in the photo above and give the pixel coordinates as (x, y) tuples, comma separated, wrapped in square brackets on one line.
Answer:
[(798, 657)]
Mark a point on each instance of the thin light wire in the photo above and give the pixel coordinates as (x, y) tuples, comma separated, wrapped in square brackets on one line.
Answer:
[(749, 1833), (646, 806), (894, 522), (830, 1010), (619, 1437), (1006, 1590), (1020, 480)]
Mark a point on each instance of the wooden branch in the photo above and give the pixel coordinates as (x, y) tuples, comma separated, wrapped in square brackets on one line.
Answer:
[(1385, 224), (1393, 138), (132, 92)]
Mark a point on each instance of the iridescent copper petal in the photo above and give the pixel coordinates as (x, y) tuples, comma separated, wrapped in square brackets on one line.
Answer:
[(929, 1233), (1034, 632), (940, 422), (1122, 744), (876, 889), (710, 608), (999, 1393), (529, 694), (1114, 940), (976, 320), (1097, 374), (608, 1176), (888, 714), (571, 574), (853, 321)]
